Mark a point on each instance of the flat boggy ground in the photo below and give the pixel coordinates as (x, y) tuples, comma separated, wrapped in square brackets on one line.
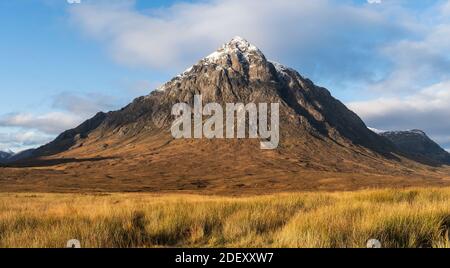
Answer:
[(238, 170), (225, 167), (68, 180)]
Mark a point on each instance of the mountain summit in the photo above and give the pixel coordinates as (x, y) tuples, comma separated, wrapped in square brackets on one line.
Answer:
[(319, 135), (238, 52)]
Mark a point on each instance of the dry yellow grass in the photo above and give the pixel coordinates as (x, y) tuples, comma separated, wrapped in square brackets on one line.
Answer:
[(399, 218)]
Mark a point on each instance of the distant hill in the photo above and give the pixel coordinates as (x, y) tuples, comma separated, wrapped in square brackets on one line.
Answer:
[(11, 157), (26, 154), (417, 145), (4, 156)]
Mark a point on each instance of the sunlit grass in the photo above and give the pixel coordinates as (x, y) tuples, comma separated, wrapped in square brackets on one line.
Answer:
[(398, 218)]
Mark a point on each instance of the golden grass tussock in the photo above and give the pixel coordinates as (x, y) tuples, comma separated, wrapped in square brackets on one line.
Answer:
[(398, 218)]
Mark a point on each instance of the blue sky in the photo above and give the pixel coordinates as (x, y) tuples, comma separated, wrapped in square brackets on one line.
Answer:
[(389, 60)]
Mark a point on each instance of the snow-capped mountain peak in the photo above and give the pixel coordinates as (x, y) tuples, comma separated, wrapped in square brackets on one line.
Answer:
[(238, 54), (405, 132), (240, 43), (237, 46)]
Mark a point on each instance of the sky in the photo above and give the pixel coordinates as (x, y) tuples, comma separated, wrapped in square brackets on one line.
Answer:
[(62, 61)]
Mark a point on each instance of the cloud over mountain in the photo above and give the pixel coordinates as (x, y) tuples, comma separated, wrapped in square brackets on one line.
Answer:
[(427, 109), (319, 33)]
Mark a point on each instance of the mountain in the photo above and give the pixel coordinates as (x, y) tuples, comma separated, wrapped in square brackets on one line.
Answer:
[(417, 145), (5, 155), (25, 154), (236, 73), (11, 157), (323, 145)]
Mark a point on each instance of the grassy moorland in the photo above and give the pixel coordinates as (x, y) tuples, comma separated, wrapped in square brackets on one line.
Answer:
[(399, 218)]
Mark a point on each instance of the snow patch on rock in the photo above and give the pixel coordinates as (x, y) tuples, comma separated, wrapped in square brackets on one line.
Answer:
[(237, 45), (378, 131)]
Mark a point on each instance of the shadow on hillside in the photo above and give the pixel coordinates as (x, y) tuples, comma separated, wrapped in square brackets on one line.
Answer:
[(53, 162), (426, 161)]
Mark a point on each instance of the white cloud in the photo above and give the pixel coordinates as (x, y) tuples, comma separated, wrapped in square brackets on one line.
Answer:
[(50, 123), (20, 140), (421, 59), (313, 35), (416, 91), (428, 109), (24, 130), (374, 1)]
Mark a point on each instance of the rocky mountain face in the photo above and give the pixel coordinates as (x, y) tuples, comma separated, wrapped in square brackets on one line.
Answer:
[(417, 145), (321, 141), (69, 138), (236, 73)]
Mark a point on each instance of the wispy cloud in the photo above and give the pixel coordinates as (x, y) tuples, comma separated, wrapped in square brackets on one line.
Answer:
[(428, 109), (319, 36), (418, 61), (50, 123), (416, 91), (24, 130), (20, 140), (85, 105)]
